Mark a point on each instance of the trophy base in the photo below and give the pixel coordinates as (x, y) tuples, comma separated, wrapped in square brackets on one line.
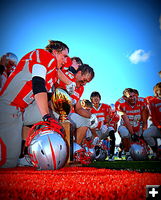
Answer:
[(73, 164), (69, 139)]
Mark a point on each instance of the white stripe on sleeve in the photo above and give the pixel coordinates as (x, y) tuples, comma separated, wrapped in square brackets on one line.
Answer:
[(39, 70)]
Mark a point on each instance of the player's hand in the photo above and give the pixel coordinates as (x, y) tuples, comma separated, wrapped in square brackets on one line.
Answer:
[(71, 88), (47, 118), (54, 123)]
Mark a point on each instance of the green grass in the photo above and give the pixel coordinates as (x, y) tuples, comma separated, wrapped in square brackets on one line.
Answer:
[(140, 166)]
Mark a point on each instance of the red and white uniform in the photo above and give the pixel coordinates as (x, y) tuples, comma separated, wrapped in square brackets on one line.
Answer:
[(101, 112), (20, 90), (119, 101), (148, 99), (78, 91), (142, 100), (133, 113), (114, 120), (154, 104), (154, 130), (17, 96)]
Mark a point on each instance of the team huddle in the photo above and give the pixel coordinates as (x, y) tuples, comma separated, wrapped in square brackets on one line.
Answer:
[(25, 99)]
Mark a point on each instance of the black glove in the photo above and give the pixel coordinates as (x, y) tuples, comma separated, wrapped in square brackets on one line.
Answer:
[(47, 118), (54, 123)]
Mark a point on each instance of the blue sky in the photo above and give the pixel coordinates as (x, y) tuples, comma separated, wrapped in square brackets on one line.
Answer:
[(120, 39)]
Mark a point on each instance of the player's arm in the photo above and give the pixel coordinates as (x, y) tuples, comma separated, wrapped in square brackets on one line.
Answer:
[(39, 89), (127, 123), (69, 85), (107, 120), (154, 116), (81, 111), (63, 78), (144, 116)]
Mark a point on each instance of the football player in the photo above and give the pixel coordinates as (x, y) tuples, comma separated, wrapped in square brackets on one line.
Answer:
[(76, 62), (8, 63), (154, 131), (104, 129), (114, 118), (131, 111), (79, 116), (23, 99), (144, 103)]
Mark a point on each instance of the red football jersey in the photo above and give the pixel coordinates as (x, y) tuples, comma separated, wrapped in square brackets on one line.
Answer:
[(154, 104), (121, 100), (142, 100), (114, 120), (21, 78), (133, 112), (101, 112)]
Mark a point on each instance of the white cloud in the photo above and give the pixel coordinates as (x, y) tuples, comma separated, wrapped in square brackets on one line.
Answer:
[(160, 22), (139, 56)]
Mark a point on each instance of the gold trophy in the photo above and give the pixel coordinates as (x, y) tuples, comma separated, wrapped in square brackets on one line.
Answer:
[(62, 103)]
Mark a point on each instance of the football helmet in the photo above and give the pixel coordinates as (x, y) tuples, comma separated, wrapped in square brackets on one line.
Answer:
[(100, 153), (46, 147), (80, 154), (138, 152)]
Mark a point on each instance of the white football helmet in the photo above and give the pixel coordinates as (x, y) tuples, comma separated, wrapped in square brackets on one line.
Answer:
[(101, 154), (138, 152), (47, 148)]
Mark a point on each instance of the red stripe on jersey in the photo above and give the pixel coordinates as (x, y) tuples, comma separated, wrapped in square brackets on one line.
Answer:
[(24, 97), (23, 94)]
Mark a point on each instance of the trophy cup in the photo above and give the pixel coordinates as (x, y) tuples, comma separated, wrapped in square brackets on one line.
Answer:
[(62, 103)]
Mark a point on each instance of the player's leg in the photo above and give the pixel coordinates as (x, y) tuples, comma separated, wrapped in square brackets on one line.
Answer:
[(112, 144), (125, 139), (150, 136), (81, 123), (10, 133)]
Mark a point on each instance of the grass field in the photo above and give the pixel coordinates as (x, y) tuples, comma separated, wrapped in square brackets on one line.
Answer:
[(140, 166)]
